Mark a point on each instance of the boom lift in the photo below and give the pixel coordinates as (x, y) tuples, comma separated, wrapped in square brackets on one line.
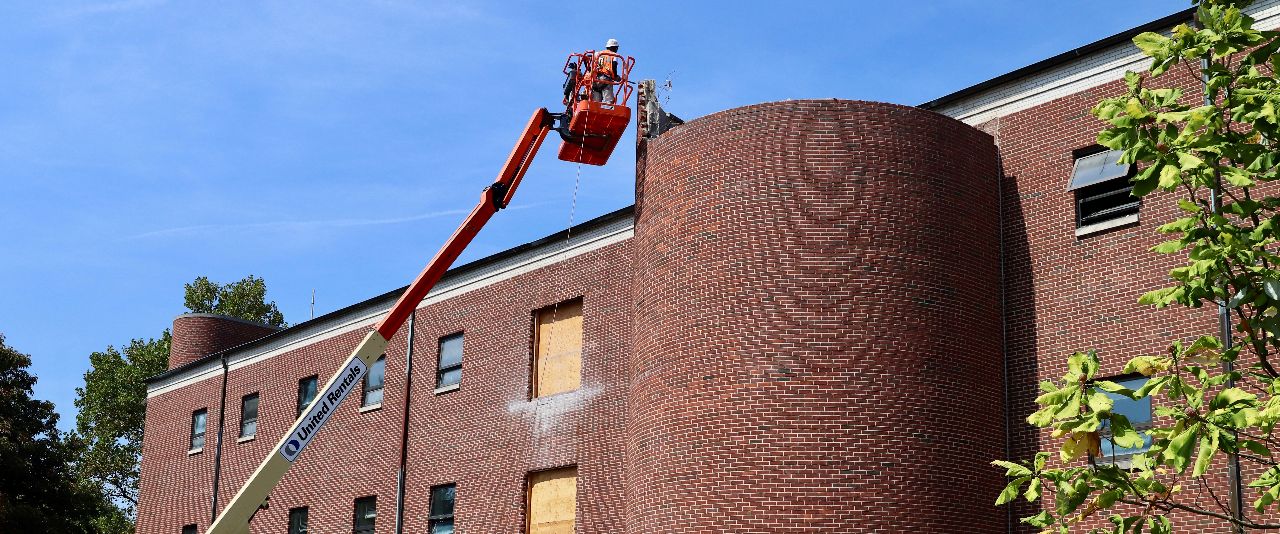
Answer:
[(589, 130)]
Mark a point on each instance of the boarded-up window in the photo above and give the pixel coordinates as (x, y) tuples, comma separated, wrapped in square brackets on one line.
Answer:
[(553, 501), (557, 342)]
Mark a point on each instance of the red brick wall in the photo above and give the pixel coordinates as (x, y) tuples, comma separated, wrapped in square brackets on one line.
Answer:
[(1066, 293), (485, 436), (817, 324), (196, 335), (176, 488), (816, 298)]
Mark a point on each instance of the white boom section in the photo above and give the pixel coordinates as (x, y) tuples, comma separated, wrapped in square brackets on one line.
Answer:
[(235, 517)]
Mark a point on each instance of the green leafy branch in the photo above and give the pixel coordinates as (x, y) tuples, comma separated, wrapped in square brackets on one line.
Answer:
[(1216, 153)]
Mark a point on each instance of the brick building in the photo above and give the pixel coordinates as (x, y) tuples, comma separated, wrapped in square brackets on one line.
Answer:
[(780, 336)]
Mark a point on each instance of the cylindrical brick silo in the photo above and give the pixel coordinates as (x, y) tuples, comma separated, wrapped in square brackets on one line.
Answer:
[(196, 335), (817, 336)]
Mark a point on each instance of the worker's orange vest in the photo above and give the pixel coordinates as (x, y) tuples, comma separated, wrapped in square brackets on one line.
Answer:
[(604, 65)]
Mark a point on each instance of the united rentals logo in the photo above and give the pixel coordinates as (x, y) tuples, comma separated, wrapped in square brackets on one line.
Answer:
[(322, 409)]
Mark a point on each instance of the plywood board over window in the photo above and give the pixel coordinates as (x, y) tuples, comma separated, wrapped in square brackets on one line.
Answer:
[(553, 501), (558, 349)]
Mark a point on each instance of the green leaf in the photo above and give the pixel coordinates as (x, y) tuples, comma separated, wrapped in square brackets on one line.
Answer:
[(1169, 247), (1033, 490), (1012, 469), (1057, 396), (1189, 162), (1236, 176), (1208, 446), (1230, 396), (1040, 520), (1257, 448), (1123, 433), (1146, 181), (1010, 491), (1271, 288), (1178, 453), (1112, 387), (1147, 365), (1170, 177), (1152, 44)]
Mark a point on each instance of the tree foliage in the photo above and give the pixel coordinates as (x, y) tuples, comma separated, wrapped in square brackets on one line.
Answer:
[(1217, 158), (246, 299), (112, 403), (39, 487), (112, 407)]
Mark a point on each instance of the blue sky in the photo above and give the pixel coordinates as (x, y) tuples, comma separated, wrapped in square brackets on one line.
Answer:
[(144, 143)]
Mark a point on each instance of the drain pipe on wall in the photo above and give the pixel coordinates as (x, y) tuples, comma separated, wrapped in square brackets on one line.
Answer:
[(1236, 491), (404, 429), (217, 454), (1004, 322)]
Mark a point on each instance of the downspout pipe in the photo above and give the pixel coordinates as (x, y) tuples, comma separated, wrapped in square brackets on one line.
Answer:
[(217, 454), (404, 429), (1004, 324), (1236, 491)]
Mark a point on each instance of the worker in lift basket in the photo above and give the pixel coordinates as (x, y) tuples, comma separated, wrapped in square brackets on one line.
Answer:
[(606, 70)]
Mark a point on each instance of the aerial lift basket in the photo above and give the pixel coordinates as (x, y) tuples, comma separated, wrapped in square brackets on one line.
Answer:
[(594, 126)]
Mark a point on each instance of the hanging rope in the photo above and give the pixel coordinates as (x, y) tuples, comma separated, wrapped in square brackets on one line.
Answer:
[(573, 203)]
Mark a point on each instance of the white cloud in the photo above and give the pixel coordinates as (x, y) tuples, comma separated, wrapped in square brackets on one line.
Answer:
[(269, 226), (111, 7), (300, 226)]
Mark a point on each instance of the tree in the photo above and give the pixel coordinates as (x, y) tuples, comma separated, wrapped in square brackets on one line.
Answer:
[(1214, 397), (112, 403), (245, 299), (112, 407), (39, 491)]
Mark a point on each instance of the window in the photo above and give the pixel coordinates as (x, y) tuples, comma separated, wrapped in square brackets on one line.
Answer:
[(298, 520), (198, 420), (306, 393), (249, 415), (373, 380), (553, 501), (557, 339), (1138, 412), (366, 513), (441, 519), (449, 369), (1104, 196), (189, 529)]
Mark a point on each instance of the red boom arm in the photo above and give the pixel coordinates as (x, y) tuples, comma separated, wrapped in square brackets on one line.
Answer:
[(494, 198)]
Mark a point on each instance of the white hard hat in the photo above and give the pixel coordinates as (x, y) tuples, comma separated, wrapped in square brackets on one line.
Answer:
[(611, 43)]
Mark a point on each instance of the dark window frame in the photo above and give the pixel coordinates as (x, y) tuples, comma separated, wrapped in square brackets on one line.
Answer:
[(202, 412), (356, 526), (441, 369), (244, 419), (190, 529), (435, 519), (1100, 202), (364, 384), (302, 511), (315, 390)]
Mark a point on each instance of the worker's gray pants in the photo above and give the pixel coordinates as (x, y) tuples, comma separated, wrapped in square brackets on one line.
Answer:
[(602, 92)]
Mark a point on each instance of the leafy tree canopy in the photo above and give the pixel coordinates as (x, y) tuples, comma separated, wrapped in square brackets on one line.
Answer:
[(1214, 398), (112, 403), (246, 299), (39, 487)]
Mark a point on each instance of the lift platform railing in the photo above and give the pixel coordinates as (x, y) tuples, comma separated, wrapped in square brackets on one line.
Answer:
[(580, 78)]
